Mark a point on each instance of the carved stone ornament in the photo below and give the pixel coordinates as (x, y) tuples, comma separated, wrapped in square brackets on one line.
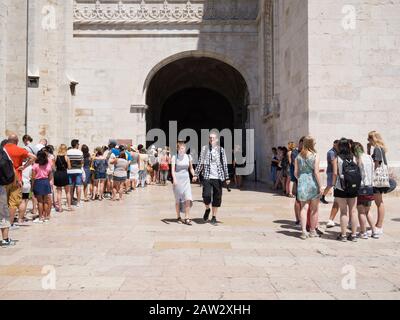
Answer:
[(163, 11)]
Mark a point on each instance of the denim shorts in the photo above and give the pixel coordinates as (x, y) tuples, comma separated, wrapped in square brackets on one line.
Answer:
[(99, 176), (75, 178)]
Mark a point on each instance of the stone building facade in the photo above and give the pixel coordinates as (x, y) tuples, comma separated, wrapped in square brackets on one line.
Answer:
[(284, 68)]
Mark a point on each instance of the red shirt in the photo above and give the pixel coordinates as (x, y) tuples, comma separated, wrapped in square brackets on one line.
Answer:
[(17, 155)]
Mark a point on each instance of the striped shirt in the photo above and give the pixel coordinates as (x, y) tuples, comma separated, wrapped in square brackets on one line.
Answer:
[(76, 158), (208, 159)]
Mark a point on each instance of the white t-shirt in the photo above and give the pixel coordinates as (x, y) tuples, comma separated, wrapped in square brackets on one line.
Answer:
[(110, 169), (367, 170), (214, 163), (76, 158), (26, 179)]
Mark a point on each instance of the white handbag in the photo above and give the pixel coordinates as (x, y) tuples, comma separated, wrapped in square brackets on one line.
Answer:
[(381, 174)]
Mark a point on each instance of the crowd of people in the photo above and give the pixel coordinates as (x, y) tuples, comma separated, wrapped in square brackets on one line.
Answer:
[(358, 176), (41, 174)]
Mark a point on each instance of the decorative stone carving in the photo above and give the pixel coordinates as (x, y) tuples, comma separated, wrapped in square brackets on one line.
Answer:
[(163, 11)]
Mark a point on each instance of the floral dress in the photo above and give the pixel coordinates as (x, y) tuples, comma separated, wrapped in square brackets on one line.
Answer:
[(307, 188)]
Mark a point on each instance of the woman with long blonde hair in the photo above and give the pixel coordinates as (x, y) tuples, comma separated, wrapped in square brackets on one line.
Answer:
[(375, 140), (306, 170), (62, 163)]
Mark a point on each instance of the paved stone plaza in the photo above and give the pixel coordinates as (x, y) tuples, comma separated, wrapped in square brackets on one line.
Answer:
[(135, 250)]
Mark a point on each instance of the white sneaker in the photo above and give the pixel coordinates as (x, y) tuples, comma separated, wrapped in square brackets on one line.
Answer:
[(14, 226), (379, 231), (37, 220), (364, 235), (330, 224)]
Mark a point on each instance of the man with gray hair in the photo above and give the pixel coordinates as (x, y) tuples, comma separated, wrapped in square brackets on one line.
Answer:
[(213, 166)]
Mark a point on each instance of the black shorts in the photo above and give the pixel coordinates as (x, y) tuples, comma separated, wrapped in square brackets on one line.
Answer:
[(381, 190), (25, 196), (343, 194)]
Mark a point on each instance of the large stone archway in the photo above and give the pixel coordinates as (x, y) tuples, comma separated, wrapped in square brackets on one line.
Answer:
[(198, 93)]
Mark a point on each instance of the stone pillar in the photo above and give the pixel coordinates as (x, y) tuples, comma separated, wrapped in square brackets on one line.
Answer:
[(254, 123), (3, 36), (15, 66)]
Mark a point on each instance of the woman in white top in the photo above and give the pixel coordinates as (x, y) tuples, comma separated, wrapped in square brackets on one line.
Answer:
[(380, 150), (134, 168), (181, 165), (366, 193)]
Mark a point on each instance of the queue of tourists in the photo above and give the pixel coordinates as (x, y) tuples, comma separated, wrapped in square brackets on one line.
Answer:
[(358, 175), (45, 176), (42, 177)]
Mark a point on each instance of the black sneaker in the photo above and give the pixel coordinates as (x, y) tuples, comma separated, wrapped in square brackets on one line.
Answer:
[(319, 232), (7, 243), (323, 200), (214, 221), (206, 214), (352, 238), (342, 238)]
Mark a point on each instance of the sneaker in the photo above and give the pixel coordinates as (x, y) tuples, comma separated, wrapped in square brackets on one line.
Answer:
[(375, 236), (319, 232), (323, 200), (314, 234), (330, 224), (7, 243), (206, 214), (379, 231), (14, 226), (304, 236), (352, 238), (342, 238), (214, 221), (364, 236), (37, 220)]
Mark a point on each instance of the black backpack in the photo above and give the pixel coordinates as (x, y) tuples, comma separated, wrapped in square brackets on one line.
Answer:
[(351, 176), (7, 174)]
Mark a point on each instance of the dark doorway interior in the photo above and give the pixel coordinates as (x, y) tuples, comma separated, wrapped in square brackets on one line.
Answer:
[(197, 108)]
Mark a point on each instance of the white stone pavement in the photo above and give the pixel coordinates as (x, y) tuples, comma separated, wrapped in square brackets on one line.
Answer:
[(134, 249)]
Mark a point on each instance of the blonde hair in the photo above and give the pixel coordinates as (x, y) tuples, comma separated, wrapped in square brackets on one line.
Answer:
[(291, 146), (308, 146), (62, 150), (377, 140), (180, 144)]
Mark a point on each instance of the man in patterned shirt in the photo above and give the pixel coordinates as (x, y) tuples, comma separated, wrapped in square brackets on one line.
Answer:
[(214, 168)]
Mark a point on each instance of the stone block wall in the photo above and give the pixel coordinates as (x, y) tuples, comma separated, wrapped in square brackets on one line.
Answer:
[(354, 71), (3, 38), (112, 72), (292, 68), (14, 82)]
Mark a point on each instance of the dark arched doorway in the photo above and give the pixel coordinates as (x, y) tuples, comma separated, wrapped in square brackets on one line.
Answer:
[(198, 92), (197, 108)]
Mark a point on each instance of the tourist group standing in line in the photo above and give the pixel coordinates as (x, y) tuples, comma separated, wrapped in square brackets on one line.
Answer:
[(39, 174), (359, 176)]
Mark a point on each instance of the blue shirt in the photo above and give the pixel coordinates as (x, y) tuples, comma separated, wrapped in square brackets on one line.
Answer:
[(116, 152), (330, 156)]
